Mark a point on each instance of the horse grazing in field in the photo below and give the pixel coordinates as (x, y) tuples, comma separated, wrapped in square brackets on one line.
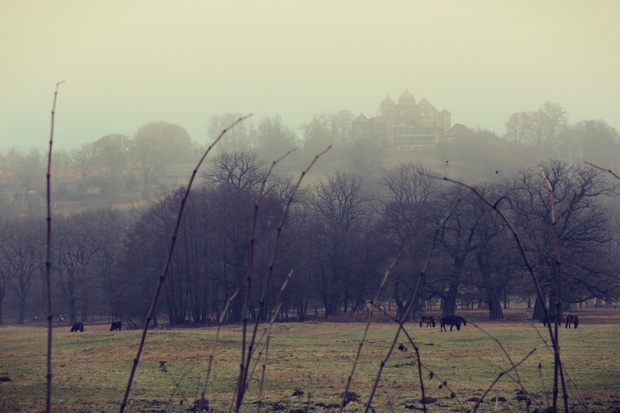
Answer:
[(430, 321), (79, 326), (450, 320), (552, 317), (460, 319), (572, 319), (116, 326)]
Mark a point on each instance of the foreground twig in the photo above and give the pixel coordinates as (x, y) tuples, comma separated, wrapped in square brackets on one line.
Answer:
[(250, 273), (499, 376), (412, 299), (363, 339), (570, 379), (557, 365), (609, 171), (431, 373), (164, 271), (48, 261), (577, 393), (212, 355), (268, 334), (246, 356), (501, 346), (530, 268), (387, 393)]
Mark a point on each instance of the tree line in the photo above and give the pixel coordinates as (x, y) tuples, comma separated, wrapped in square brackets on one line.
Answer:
[(129, 167), (123, 167), (340, 236), (359, 211)]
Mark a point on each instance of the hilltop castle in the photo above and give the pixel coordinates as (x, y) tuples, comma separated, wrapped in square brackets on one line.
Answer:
[(405, 124)]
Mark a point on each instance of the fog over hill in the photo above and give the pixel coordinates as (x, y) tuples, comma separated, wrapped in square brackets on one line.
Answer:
[(130, 63)]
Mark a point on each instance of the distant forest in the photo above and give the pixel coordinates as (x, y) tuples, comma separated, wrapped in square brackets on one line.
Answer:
[(362, 204)]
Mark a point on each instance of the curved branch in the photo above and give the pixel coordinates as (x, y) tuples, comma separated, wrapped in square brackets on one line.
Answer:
[(48, 261), (164, 271)]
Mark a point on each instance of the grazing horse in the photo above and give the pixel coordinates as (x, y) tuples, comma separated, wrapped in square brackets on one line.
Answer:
[(116, 326), (79, 326), (572, 319), (450, 320), (430, 321), (461, 319), (552, 317)]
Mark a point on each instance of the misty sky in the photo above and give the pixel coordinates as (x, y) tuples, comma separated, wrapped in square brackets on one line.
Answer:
[(127, 63)]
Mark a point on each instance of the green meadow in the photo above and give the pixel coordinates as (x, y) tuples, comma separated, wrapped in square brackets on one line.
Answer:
[(308, 365)]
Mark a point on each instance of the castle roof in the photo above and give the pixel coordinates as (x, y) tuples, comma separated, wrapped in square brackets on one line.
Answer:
[(458, 130), (387, 103), (427, 104), (406, 99), (361, 119)]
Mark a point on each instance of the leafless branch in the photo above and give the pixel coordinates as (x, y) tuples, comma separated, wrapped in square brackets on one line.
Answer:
[(499, 376), (268, 334), (387, 394), (421, 366), (164, 271), (501, 346), (217, 337), (530, 268), (363, 339), (609, 171), (413, 297), (243, 366), (557, 365), (246, 355), (48, 260)]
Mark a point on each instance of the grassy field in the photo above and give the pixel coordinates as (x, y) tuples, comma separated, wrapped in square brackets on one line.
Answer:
[(91, 368)]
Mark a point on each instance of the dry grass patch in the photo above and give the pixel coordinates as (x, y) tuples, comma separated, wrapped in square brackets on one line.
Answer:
[(307, 369)]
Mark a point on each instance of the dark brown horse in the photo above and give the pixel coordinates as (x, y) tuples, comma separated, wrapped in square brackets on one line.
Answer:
[(450, 320), (572, 319), (461, 319), (545, 320), (79, 326), (430, 321)]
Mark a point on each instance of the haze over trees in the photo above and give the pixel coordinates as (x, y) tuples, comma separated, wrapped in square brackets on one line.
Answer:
[(116, 201)]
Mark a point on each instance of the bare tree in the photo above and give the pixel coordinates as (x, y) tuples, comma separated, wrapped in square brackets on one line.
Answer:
[(113, 155), (457, 246), (342, 213), (212, 250), (325, 129), (583, 227), (593, 141), (61, 159), (410, 198), (542, 129), (29, 171), (85, 245), (239, 139), (495, 256), (22, 255), (156, 144), (6, 256), (83, 160), (274, 138), (240, 170)]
